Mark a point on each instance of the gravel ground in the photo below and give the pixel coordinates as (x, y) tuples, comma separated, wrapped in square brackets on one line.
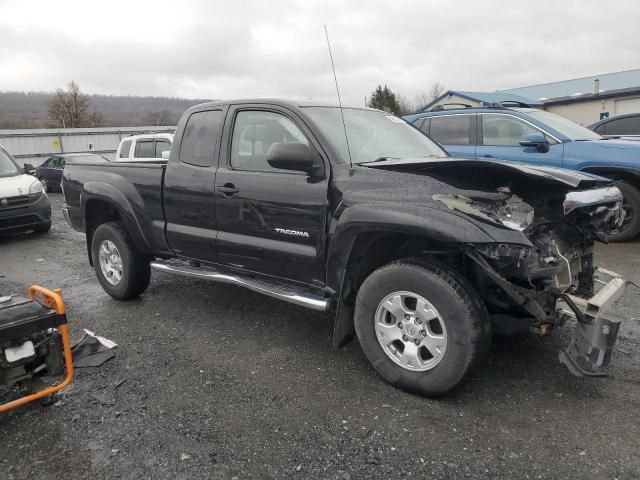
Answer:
[(223, 383)]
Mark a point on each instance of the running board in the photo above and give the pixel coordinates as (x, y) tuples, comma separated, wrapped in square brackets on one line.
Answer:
[(271, 289)]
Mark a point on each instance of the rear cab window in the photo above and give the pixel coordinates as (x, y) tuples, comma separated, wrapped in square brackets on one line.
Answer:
[(124, 149), (200, 138), (145, 149)]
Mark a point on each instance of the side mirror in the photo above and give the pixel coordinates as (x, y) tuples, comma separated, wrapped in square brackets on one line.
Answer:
[(536, 140), (29, 169), (290, 156), (165, 154)]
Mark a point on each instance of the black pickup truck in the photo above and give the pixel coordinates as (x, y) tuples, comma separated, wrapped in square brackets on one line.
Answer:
[(358, 213)]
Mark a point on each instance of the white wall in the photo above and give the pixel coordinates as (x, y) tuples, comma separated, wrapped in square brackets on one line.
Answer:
[(36, 145)]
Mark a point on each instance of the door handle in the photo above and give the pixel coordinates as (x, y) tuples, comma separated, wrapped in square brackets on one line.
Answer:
[(228, 189)]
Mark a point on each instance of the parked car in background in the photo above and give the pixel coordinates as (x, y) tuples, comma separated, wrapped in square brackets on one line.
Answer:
[(50, 172), (146, 147), (620, 125), (539, 137), (23, 203)]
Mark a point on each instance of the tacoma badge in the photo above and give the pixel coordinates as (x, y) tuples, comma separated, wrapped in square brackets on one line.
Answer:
[(295, 233)]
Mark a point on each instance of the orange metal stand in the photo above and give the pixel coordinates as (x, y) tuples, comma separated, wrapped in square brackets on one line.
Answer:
[(52, 299)]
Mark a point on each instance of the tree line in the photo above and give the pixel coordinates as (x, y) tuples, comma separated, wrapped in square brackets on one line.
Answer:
[(72, 108)]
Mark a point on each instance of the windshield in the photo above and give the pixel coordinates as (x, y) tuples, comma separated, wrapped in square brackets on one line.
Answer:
[(8, 167), (372, 135), (566, 127)]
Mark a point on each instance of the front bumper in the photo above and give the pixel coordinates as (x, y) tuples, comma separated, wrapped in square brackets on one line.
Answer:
[(25, 212), (590, 349)]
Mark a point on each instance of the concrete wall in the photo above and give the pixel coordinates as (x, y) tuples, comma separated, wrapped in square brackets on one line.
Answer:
[(588, 112), (36, 145)]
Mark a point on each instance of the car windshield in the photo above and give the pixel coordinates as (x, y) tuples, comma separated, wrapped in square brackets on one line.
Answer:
[(566, 127), (8, 167), (372, 135)]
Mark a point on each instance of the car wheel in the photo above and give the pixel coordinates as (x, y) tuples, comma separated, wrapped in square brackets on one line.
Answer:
[(422, 326), (122, 270), (43, 227), (631, 208), (45, 186)]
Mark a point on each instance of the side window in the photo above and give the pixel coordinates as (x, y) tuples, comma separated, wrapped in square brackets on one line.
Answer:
[(55, 162), (200, 137), (124, 149), (505, 131), (451, 129), (253, 134), (62, 163), (162, 146), (424, 126), (145, 149), (624, 126), (601, 129)]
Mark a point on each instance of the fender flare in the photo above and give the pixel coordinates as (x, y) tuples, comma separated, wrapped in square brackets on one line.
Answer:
[(130, 208)]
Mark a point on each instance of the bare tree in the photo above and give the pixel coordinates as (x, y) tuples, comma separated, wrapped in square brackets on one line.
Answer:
[(163, 117), (70, 108), (435, 90)]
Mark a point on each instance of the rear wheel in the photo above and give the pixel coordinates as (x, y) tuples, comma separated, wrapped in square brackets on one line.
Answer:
[(631, 208), (422, 326), (122, 270)]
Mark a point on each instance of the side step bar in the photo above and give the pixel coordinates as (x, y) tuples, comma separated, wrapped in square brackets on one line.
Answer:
[(271, 289)]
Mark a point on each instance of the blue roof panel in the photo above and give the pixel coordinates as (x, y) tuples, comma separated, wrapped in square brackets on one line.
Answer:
[(565, 88)]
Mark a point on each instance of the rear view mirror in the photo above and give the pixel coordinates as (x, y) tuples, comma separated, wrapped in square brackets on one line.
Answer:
[(536, 140), (290, 156), (29, 169), (165, 154)]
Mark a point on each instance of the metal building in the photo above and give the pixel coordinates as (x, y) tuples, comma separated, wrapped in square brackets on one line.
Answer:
[(36, 145)]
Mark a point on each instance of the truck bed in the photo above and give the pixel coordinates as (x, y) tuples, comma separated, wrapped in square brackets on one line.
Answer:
[(136, 186)]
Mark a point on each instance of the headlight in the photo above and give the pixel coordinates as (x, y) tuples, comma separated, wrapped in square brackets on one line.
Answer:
[(512, 212), (36, 187)]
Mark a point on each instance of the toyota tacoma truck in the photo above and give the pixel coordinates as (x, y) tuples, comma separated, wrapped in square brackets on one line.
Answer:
[(358, 213)]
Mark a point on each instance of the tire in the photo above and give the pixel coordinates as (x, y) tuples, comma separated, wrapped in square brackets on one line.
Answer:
[(631, 205), (45, 186), (43, 227), (134, 267), (461, 314)]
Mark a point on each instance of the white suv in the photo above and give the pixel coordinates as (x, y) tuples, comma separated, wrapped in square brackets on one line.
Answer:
[(147, 147)]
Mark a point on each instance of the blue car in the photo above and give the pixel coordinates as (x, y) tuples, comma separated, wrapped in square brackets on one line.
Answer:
[(536, 136), (50, 171)]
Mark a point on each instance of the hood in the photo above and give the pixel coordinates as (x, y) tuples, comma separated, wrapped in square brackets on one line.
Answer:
[(459, 168), (16, 185), (614, 152)]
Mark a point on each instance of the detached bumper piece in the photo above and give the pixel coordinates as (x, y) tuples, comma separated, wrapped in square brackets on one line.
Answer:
[(34, 340), (590, 349)]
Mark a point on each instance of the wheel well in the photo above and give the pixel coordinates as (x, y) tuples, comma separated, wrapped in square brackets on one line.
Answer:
[(97, 212), (620, 175), (371, 251)]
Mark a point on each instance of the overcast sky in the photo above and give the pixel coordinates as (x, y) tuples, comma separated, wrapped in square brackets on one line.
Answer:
[(234, 49)]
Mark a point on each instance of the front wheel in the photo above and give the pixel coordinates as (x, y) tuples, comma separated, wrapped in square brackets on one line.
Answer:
[(422, 326), (631, 214), (122, 270)]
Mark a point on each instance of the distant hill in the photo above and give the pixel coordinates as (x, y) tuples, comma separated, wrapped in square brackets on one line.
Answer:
[(29, 110)]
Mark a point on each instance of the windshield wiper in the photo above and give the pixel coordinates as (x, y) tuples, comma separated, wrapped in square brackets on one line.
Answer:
[(382, 159)]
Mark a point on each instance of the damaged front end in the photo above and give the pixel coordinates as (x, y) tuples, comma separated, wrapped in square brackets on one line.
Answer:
[(549, 277)]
